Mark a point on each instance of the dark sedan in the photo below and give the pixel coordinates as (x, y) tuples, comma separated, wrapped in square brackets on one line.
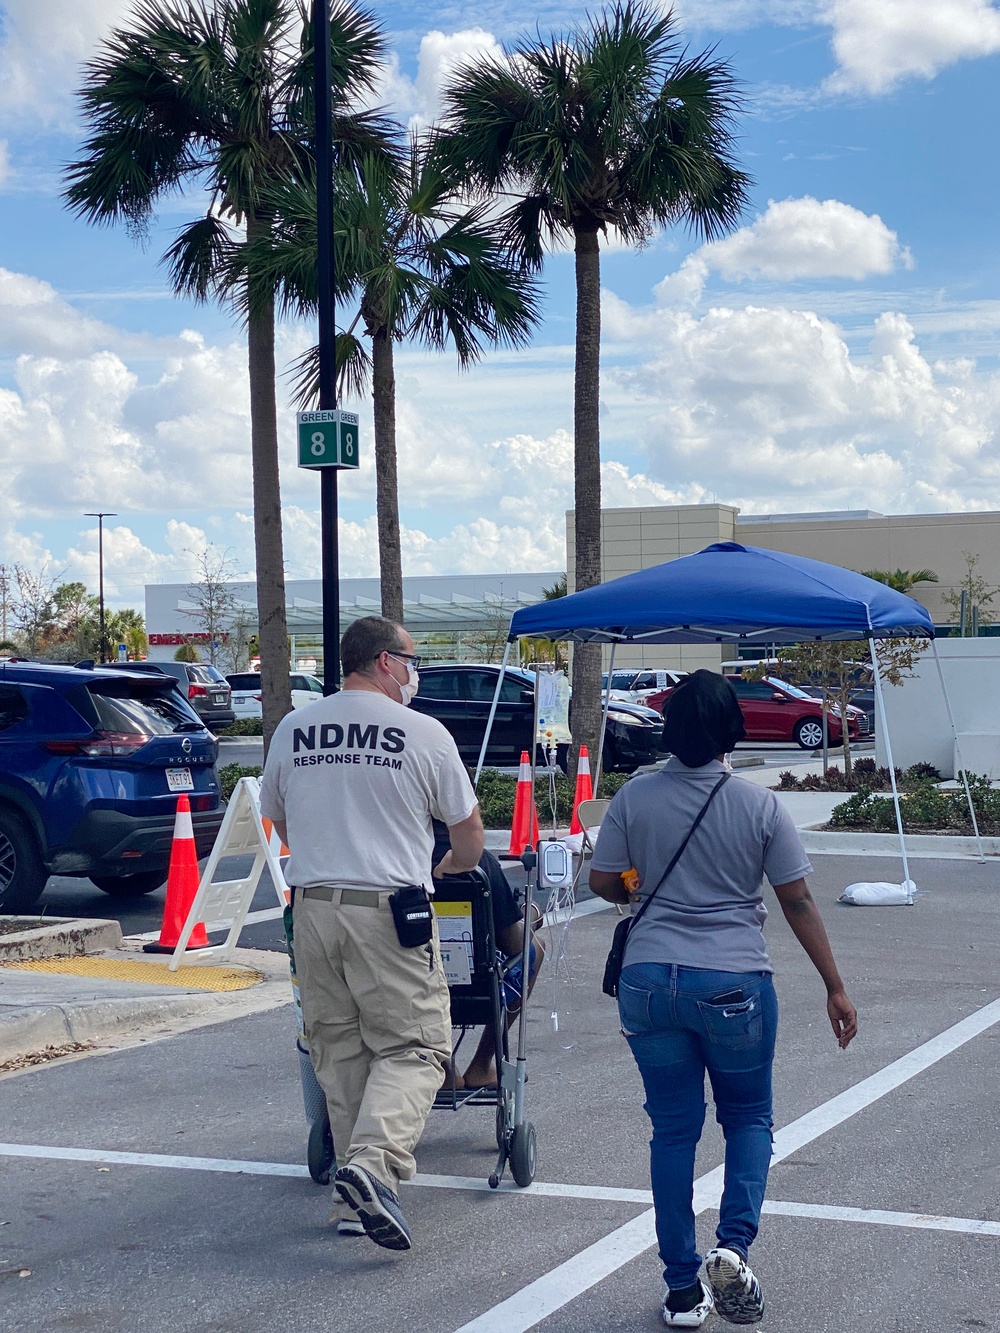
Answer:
[(460, 697)]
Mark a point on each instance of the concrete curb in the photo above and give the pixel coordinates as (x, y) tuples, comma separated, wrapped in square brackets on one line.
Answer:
[(927, 846), (31, 1031), (115, 1021), (58, 937)]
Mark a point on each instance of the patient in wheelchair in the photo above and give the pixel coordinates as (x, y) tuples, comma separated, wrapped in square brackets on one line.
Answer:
[(508, 923)]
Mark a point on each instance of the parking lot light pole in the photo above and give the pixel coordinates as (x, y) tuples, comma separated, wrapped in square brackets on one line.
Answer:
[(330, 558), (103, 651)]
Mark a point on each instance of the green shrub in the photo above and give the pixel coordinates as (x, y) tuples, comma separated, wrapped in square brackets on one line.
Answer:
[(497, 790), (864, 810), (924, 807), (245, 726), (230, 774)]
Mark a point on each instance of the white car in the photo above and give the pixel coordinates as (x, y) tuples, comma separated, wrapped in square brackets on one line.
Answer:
[(636, 686), (246, 692)]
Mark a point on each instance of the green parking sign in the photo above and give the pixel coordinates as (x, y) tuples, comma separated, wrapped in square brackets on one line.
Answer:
[(328, 439)]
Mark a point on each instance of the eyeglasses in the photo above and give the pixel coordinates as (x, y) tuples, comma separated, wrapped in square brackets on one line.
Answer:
[(411, 659)]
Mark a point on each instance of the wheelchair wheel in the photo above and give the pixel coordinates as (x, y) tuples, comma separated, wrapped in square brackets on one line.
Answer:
[(522, 1154), (320, 1154)]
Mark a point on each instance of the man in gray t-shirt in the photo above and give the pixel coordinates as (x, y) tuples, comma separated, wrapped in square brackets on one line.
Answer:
[(717, 883)]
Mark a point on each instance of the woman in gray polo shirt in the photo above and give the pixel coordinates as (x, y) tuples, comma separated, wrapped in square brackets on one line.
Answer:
[(696, 991)]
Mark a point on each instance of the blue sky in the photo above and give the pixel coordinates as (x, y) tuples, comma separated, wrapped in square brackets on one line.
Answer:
[(840, 350)]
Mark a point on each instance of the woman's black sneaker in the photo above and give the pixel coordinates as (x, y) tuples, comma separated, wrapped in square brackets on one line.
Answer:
[(737, 1292), (688, 1308), (376, 1205)]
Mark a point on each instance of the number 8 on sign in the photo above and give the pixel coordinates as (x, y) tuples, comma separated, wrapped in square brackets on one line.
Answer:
[(318, 443)]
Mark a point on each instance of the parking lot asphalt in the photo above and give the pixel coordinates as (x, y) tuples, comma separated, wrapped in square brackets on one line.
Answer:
[(884, 1208)]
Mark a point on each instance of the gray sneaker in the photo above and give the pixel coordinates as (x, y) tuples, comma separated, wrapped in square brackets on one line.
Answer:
[(376, 1206), (737, 1292)]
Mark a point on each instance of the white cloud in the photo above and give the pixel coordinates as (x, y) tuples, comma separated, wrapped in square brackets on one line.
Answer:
[(43, 45), (878, 43), (808, 238), (793, 239), (439, 56), (768, 408)]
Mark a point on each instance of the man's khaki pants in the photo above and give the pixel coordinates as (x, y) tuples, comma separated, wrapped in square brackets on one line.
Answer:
[(378, 1023)]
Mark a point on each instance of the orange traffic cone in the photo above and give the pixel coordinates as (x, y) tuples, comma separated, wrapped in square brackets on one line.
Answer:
[(584, 789), (182, 885), (524, 829)]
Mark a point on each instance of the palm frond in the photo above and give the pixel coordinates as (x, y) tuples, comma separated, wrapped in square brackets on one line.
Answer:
[(353, 372), (199, 257)]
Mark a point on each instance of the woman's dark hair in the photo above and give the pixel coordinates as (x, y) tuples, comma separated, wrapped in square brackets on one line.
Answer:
[(702, 719), (366, 639)]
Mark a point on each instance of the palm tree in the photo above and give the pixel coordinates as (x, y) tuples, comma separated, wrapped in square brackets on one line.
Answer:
[(419, 268), (215, 96), (902, 580), (615, 125)]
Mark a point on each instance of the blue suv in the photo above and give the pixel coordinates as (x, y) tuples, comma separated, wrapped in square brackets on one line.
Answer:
[(91, 763)]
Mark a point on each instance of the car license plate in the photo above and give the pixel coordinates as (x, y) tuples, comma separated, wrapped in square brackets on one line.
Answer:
[(179, 779), (218, 698)]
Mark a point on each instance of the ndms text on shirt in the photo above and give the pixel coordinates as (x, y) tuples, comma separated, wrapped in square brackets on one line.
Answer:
[(329, 738)]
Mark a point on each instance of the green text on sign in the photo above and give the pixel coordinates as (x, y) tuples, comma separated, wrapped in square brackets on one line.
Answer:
[(328, 439)]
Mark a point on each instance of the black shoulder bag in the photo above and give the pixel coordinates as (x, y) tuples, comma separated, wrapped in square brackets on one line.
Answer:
[(616, 954)]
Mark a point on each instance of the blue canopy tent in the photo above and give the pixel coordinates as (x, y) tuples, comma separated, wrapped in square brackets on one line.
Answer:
[(736, 595)]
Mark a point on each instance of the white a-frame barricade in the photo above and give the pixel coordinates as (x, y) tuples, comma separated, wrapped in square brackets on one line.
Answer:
[(225, 902)]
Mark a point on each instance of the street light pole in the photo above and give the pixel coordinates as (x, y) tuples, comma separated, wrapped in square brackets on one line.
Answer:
[(100, 576), (330, 561)]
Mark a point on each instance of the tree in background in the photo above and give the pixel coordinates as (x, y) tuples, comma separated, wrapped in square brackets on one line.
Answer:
[(901, 580), (215, 606), (187, 652), (214, 97), (32, 610), (614, 125), (979, 594), (420, 268), (127, 626), (841, 669), (547, 650)]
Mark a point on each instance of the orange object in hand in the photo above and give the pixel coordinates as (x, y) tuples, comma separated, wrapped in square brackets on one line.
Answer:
[(630, 878)]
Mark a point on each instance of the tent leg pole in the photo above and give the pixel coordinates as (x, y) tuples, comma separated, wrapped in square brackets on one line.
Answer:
[(604, 722), (493, 713), (958, 752), (892, 768)]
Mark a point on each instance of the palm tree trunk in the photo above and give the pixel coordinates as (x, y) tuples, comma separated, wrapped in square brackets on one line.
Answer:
[(587, 483), (390, 560), (273, 629)]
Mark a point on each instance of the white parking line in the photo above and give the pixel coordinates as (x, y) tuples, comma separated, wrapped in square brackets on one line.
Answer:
[(877, 1217), (570, 1279), (236, 1167), (706, 1193)]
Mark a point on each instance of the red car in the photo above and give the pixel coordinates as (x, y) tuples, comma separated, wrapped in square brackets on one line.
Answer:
[(775, 711)]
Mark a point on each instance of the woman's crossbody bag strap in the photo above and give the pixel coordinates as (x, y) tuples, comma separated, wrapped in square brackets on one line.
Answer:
[(616, 956)]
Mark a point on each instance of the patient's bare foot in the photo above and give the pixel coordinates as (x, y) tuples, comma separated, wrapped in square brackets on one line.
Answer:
[(450, 1072), (480, 1074)]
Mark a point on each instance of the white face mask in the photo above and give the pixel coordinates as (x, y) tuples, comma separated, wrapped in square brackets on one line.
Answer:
[(408, 690)]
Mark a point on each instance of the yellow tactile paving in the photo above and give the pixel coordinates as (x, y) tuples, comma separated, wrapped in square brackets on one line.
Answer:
[(144, 972)]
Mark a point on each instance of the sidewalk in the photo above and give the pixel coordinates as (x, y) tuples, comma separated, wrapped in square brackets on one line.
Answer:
[(60, 1002)]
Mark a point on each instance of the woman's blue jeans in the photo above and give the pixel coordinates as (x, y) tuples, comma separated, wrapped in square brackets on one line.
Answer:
[(680, 1022)]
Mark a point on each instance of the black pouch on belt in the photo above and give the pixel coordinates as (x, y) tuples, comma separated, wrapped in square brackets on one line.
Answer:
[(413, 915)]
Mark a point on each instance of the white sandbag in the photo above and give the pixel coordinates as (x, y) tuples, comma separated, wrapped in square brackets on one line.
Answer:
[(879, 894)]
